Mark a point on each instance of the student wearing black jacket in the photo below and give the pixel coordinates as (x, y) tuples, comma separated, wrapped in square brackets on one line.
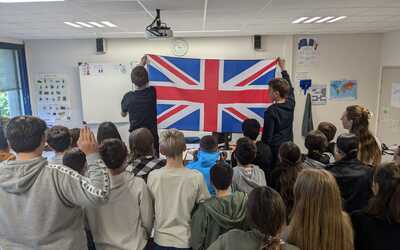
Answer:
[(278, 118), (353, 177), (378, 226)]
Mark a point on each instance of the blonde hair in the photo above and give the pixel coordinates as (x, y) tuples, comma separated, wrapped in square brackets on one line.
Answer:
[(369, 151), (318, 221), (172, 143)]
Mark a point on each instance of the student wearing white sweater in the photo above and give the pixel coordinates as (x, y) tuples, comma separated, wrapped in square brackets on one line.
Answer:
[(126, 221), (176, 190)]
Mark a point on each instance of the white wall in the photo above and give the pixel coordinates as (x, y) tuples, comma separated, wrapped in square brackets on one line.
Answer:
[(352, 57), (391, 49), (62, 56)]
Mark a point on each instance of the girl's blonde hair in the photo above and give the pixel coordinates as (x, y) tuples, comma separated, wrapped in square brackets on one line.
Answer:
[(369, 151), (318, 221)]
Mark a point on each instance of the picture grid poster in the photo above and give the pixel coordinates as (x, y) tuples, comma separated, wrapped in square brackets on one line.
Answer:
[(319, 95), (53, 100)]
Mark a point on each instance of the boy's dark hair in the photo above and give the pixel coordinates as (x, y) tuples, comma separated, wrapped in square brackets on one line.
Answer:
[(251, 128), (280, 85), (25, 133), (141, 143), (221, 175), (316, 141), (113, 152), (3, 140), (107, 130), (209, 143), (245, 151), (59, 138), (139, 76), (75, 133), (75, 159), (348, 144), (329, 130)]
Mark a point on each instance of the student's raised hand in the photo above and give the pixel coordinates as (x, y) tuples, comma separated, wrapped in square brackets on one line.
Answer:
[(143, 61), (87, 142), (282, 63)]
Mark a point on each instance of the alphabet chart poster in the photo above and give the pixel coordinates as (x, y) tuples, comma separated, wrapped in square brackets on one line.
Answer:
[(53, 101)]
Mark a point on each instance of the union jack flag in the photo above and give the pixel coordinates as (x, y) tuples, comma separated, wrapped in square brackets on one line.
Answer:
[(208, 94)]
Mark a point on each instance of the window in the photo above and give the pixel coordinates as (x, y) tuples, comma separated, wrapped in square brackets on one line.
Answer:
[(14, 90)]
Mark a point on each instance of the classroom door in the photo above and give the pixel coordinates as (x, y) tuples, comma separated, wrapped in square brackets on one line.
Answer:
[(389, 110)]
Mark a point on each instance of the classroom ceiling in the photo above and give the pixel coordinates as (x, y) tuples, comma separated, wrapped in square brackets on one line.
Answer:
[(195, 17)]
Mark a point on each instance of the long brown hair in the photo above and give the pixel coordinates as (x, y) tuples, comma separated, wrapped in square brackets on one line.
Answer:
[(319, 222), (386, 203), (291, 165), (369, 151), (266, 213)]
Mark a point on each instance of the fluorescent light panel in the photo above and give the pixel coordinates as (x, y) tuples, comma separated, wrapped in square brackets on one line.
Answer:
[(73, 25), (109, 24), (301, 19), (28, 1), (337, 19), (204, 31), (324, 19), (85, 24), (311, 20), (97, 24)]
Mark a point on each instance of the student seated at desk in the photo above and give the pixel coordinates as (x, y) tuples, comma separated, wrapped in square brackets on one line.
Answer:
[(205, 159)]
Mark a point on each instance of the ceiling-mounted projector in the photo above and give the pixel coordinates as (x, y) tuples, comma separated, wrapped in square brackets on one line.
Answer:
[(158, 29)]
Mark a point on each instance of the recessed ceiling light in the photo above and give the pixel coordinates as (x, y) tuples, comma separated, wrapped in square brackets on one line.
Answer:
[(109, 24), (311, 20), (73, 25), (85, 24), (337, 19), (28, 1), (204, 31), (96, 24), (325, 19), (301, 19)]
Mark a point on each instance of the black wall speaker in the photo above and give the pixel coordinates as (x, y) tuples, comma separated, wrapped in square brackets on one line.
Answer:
[(101, 47), (257, 42)]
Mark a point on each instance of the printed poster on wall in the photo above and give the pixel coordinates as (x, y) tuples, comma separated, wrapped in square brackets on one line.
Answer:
[(395, 96), (307, 51), (343, 90), (318, 95), (53, 100)]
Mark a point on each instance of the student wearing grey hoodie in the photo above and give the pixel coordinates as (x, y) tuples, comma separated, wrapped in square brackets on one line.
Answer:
[(247, 176), (41, 203)]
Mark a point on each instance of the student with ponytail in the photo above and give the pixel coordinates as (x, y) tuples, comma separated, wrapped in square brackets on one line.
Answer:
[(353, 176), (318, 221), (378, 226), (267, 217), (284, 177), (356, 120)]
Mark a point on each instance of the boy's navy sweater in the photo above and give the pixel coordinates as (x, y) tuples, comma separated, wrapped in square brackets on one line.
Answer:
[(278, 119)]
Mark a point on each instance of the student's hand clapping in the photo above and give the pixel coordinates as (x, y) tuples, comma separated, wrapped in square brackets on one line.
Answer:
[(282, 63), (87, 142)]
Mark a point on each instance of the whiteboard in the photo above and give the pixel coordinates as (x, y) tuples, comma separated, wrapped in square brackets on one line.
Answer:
[(102, 87)]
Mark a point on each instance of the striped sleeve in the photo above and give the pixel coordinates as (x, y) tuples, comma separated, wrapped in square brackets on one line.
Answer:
[(77, 190)]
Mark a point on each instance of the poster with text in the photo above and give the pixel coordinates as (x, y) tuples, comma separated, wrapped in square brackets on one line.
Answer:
[(395, 96), (53, 100), (343, 90), (307, 50), (319, 95)]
